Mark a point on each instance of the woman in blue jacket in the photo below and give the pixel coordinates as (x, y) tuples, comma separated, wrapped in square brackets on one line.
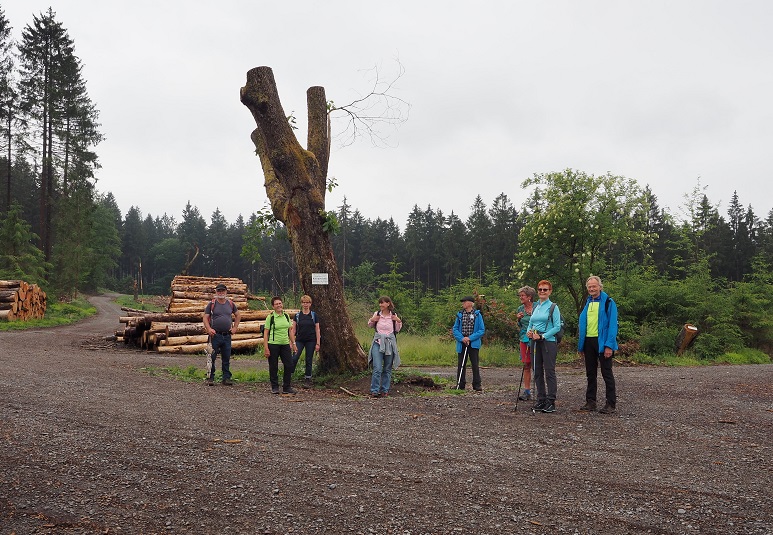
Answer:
[(597, 342), (542, 330)]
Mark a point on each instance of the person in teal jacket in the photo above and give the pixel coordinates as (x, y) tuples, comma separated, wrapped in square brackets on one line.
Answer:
[(542, 330), (468, 331), (597, 342)]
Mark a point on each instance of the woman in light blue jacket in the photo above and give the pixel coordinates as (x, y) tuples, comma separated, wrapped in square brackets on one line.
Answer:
[(542, 330)]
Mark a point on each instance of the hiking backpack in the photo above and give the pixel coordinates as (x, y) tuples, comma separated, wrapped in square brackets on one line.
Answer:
[(298, 316), (394, 323), (212, 306), (560, 334), (270, 321)]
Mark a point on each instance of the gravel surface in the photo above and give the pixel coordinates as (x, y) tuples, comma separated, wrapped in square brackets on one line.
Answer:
[(92, 442)]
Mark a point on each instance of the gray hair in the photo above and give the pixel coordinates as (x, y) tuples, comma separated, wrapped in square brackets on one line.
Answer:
[(597, 279), (529, 291)]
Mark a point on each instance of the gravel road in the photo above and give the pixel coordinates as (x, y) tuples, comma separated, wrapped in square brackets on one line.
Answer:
[(93, 442)]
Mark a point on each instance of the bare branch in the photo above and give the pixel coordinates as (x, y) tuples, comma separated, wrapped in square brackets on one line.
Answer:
[(375, 114)]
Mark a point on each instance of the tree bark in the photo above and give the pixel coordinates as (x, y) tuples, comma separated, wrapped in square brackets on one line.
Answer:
[(296, 181)]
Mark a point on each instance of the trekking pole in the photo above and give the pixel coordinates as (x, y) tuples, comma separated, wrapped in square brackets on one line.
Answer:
[(461, 371), (519, 389), (210, 364)]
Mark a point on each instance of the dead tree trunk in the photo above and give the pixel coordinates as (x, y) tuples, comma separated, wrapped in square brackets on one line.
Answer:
[(295, 181)]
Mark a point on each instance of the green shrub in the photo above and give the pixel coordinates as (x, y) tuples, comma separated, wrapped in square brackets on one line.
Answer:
[(658, 339)]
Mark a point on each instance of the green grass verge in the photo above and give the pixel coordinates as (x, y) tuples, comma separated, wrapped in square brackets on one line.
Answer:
[(742, 356), (194, 374), (56, 314), (197, 374), (140, 304)]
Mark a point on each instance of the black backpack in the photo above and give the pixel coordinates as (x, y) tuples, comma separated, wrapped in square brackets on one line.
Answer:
[(394, 324), (270, 321), (560, 333)]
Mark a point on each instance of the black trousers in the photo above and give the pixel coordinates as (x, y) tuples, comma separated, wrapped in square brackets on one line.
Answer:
[(592, 357), (283, 351), (473, 358)]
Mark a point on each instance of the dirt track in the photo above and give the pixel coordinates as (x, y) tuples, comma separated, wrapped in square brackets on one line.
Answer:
[(93, 444)]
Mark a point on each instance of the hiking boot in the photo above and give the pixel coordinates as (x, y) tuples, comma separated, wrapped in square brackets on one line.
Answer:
[(478, 388), (209, 382), (607, 409), (539, 406), (307, 383), (525, 396), (549, 407), (375, 395), (384, 395), (289, 390), (274, 389), (589, 406), (227, 382)]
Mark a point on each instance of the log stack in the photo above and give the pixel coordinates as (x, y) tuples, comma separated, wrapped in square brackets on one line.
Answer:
[(20, 301), (181, 330), (191, 294)]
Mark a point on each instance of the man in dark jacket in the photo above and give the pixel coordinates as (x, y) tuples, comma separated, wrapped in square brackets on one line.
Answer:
[(597, 342)]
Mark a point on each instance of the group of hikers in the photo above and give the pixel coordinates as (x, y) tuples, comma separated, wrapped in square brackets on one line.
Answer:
[(539, 322)]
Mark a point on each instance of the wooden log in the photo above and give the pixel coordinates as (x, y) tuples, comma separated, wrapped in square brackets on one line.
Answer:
[(8, 295), (203, 338), (188, 349), (197, 306), (190, 329), (209, 280), (10, 283), (7, 315), (203, 296), (134, 311), (201, 348), (686, 338), (183, 317), (192, 315)]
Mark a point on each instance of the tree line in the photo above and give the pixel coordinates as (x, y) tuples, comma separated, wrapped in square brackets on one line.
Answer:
[(58, 230), (48, 133)]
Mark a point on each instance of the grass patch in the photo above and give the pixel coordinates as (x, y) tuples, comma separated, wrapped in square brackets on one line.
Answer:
[(143, 302), (745, 356), (194, 374), (742, 356), (418, 350), (56, 314)]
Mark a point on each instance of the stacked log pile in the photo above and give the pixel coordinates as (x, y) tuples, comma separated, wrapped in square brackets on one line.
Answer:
[(20, 301), (191, 294), (180, 329), (183, 332)]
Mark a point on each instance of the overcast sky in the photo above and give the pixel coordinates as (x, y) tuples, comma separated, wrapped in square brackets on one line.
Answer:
[(668, 93)]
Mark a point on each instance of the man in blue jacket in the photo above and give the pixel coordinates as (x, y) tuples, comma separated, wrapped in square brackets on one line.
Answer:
[(468, 330), (597, 342)]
